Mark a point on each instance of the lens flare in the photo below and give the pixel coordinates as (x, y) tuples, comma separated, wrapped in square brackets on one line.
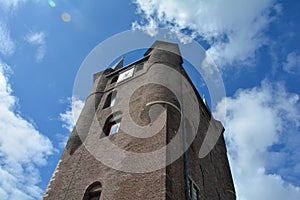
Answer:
[(51, 3), (66, 17)]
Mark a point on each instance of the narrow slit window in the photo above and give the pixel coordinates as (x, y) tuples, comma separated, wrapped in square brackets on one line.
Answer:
[(110, 100), (113, 99)]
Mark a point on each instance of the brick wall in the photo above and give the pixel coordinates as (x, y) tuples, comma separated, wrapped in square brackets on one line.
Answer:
[(79, 167)]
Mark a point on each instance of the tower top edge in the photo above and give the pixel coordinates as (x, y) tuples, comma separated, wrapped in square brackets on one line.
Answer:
[(163, 45)]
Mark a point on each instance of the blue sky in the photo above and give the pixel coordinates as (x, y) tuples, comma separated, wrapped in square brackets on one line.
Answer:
[(255, 44)]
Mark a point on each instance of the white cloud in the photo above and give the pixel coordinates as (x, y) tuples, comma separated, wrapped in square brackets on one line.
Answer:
[(7, 45), (37, 39), (233, 28), (62, 140), (70, 116), (11, 5), (292, 64), (150, 29), (256, 120), (22, 148)]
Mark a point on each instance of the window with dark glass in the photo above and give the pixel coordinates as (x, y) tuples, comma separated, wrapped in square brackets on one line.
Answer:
[(114, 79), (95, 196), (93, 192), (202, 173)]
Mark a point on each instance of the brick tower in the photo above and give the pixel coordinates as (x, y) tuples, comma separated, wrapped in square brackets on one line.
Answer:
[(139, 135)]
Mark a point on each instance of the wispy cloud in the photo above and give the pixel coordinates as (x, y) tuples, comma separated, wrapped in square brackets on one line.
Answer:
[(70, 116), (37, 39), (292, 63), (22, 148), (262, 133), (7, 45), (234, 29), (12, 5)]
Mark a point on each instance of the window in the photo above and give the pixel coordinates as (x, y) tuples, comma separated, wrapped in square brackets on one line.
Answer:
[(193, 190), (112, 124), (125, 75), (113, 127), (114, 79), (93, 192), (110, 100), (95, 196), (113, 99), (202, 173), (139, 67)]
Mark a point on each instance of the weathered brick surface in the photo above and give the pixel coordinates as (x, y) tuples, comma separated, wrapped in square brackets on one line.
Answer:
[(79, 167)]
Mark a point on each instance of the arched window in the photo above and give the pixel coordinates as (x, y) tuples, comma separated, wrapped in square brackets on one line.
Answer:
[(110, 99), (93, 192)]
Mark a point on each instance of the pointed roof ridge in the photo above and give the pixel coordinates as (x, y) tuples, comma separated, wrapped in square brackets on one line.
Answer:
[(118, 64)]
